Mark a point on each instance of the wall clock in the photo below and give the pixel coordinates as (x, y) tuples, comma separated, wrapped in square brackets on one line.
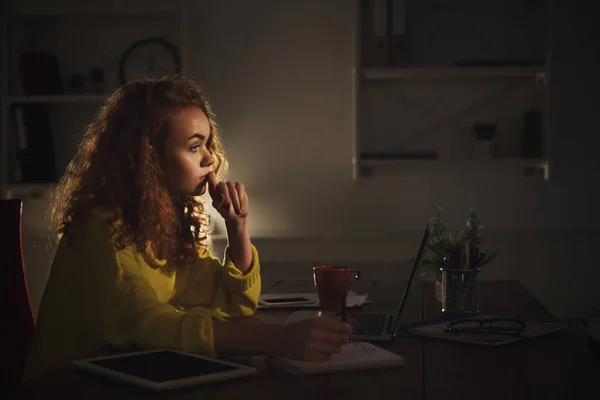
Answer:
[(151, 57)]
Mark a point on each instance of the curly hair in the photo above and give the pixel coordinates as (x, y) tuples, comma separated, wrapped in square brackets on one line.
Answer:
[(117, 165)]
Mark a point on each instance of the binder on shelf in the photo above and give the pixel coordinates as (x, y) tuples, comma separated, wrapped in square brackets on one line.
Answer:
[(399, 52), (40, 73), (20, 123), (375, 33), (36, 161), (17, 141)]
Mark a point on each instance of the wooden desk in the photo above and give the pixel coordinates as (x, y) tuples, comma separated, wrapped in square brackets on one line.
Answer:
[(557, 366)]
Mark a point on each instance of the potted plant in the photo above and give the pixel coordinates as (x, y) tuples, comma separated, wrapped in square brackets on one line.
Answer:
[(445, 247), (454, 259)]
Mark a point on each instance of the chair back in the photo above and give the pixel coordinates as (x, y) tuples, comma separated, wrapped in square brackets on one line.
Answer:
[(17, 316)]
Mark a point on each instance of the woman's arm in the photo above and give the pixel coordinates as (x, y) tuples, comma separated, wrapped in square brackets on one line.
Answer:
[(219, 286), (258, 338), (231, 201), (239, 247), (134, 314), (314, 339)]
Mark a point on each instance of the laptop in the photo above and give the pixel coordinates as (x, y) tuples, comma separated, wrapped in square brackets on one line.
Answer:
[(382, 326)]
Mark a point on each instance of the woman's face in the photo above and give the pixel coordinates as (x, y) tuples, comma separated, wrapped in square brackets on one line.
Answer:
[(188, 160)]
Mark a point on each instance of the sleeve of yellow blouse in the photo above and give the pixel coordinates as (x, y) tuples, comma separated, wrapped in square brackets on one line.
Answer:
[(239, 292), (135, 315), (221, 286)]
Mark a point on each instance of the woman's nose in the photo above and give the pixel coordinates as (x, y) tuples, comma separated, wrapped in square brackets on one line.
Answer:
[(207, 160)]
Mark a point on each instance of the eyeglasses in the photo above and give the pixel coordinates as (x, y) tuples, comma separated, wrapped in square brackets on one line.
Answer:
[(504, 326)]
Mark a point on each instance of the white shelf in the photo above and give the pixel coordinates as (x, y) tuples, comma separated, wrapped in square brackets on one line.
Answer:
[(31, 186), (524, 166), (453, 72), (102, 16), (454, 162), (13, 188), (108, 8), (57, 99)]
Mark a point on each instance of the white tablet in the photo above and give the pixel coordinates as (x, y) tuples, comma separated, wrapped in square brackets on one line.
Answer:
[(164, 369)]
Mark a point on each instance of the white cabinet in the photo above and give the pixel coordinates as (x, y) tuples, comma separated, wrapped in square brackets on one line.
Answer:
[(456, 84)]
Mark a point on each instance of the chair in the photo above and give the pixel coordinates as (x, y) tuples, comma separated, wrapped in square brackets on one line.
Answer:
[(17, 316)]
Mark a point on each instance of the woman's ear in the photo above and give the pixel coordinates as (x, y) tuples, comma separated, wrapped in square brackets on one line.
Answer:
[(149, 152), (150, 149)]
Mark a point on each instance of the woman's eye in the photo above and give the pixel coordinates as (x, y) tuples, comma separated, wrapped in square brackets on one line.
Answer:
[(194, 148)]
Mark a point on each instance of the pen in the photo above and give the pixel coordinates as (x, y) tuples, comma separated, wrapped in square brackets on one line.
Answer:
[(344, 307), (273, 285)]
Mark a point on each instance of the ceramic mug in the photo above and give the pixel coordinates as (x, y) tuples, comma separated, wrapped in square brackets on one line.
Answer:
[(332, 284)]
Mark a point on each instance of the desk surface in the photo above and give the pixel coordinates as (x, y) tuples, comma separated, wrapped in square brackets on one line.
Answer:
[(556, 366)]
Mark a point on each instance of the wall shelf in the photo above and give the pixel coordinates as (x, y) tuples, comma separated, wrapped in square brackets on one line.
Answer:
[(456, 163), (96, 15), (18, 186), (57, 99), (453, 72), (108, 9), (26, 191), (522, 166)]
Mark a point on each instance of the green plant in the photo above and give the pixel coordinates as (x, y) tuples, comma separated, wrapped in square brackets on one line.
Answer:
[(444, 244)]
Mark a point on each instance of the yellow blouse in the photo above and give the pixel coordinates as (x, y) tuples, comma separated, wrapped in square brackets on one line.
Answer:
[(97, 295)]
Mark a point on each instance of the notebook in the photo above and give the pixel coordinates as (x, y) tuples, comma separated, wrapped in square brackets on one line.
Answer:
[(354, 356)]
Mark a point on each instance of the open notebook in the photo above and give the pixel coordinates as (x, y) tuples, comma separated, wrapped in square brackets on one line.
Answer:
[(354, 356)]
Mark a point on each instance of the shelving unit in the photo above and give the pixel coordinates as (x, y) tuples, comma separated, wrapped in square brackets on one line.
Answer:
[(397, 98), (81, 35)]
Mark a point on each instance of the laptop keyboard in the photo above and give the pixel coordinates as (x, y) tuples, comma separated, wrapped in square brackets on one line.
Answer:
[(370, 324)]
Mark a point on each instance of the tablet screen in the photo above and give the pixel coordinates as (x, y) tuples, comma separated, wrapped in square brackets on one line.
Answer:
[(162, 366)]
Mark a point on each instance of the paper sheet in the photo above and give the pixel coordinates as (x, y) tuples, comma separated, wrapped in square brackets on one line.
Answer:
[(352, 300)]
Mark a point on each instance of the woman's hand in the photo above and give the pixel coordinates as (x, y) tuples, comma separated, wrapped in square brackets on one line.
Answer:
[(231, 201), (315, 339), (228, 198)]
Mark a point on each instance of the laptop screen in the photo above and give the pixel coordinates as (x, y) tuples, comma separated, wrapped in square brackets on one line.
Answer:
[(413, 273)]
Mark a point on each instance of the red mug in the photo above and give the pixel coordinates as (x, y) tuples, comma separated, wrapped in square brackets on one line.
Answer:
[(332, 284)]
